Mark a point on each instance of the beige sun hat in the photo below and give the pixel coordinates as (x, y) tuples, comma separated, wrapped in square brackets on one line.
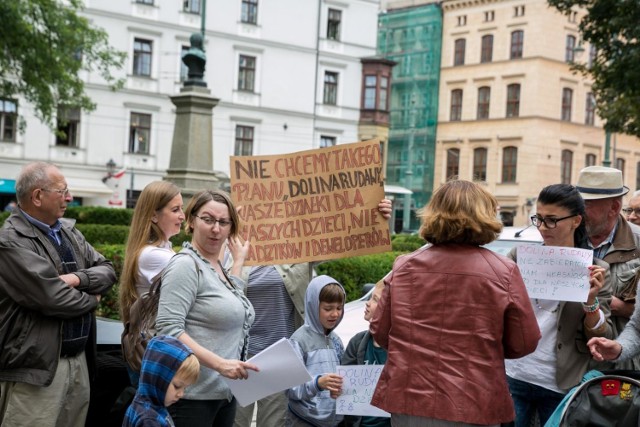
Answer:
[(600, 182)]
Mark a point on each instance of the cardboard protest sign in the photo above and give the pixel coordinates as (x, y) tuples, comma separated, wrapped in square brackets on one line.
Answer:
[(311, 205), (358, 384), (554, 272)]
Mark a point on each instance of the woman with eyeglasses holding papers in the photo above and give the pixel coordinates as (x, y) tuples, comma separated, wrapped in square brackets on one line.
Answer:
[(204, 306), (539, 381)]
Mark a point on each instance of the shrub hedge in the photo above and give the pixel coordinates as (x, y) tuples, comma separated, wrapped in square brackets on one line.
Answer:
[(107, 229)]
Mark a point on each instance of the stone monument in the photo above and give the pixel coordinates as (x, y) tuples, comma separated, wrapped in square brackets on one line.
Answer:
[(191, 164)]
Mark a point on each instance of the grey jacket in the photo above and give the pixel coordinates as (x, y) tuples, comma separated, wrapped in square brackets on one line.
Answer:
[(321, 354), (623, 258), (34, 301)]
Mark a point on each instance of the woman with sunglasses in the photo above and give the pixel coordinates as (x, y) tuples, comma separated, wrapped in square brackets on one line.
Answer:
[(539, 381)]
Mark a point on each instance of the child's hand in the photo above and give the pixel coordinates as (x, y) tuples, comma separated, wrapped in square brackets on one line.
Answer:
[(331, 382)]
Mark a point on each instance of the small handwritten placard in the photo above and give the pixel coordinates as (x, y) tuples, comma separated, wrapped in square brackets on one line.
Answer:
[(358, 384), (554, 272)]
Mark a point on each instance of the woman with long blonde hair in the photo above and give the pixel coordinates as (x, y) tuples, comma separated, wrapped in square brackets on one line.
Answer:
[(157, 217)]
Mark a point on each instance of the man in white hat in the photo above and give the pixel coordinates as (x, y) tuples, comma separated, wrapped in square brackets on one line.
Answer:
[(612, 238)]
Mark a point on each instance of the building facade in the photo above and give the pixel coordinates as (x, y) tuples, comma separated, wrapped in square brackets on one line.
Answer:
[(512, 114), (287, 73), (411, 37)]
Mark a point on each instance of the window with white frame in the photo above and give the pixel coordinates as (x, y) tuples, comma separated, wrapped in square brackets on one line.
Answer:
[(193, 6), (249, 14), (8, 120), (244, 140), (489, 16), (139, 133), (383, 102), (334, 20), (590, 160), (247, 73), (184, 70), (518, 11), (68, 127), (330, 95), (370, 89), (142, 53), (327, 141)]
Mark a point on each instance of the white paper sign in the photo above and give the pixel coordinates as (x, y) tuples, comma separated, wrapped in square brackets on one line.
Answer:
[(554, 272), (280, 369), (358, 384)]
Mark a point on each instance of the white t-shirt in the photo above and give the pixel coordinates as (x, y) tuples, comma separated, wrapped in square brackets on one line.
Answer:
[(152, 260)]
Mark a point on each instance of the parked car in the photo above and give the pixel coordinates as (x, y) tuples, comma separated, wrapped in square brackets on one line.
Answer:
[(353, 321)]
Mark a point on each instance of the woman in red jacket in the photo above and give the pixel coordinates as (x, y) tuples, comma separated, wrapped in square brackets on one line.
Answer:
[(450, 313)]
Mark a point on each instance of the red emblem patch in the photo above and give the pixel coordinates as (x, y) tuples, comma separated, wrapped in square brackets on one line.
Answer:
[(610, 387)]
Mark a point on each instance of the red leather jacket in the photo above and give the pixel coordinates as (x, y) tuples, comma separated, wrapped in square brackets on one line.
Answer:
[(449, 316)]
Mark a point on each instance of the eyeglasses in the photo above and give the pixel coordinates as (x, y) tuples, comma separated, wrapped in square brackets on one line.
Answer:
[(62, 192), (212, 221), (548, 222), (629, 211)]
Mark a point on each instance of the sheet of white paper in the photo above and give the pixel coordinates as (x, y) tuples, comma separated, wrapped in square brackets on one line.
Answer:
[(280, 369), (358, 384), (554, 272)]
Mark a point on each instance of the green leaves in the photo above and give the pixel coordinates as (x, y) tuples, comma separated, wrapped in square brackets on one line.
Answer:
[(45, 46), (611, 26)]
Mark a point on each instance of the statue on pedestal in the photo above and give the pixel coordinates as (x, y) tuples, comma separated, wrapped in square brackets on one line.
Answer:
[(195, 60)]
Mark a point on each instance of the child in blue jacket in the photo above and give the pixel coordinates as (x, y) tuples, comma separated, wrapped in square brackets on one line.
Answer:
[(168, 367), (313, 403)]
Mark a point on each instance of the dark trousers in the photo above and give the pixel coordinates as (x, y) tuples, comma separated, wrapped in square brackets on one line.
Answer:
[(203, 413), (529, 398)]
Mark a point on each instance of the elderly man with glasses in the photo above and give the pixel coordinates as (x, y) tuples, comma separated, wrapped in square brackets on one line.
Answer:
[(632, 211), (613, 240), (51, 281)]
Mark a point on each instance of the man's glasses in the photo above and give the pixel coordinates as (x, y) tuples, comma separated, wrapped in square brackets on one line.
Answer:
[(548, 222), (629, 211), (62, 192), (211, 221)]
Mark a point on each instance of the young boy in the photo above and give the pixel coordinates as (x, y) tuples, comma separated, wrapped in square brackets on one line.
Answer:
[(168, 367), (363, 350), (312, 403)]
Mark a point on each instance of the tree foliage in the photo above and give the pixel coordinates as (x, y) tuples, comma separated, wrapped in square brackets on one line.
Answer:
[(45, 45), (613, 28)]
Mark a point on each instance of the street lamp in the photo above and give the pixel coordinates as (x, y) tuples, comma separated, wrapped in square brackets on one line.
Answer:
[(111, 167)]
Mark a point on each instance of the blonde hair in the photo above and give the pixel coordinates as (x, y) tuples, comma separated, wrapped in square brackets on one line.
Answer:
[(460, 212), (204, 197), (142, 232), (189, 370)]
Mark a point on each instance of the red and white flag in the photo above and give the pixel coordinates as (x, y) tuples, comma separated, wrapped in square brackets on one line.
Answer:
[(119, 174)]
